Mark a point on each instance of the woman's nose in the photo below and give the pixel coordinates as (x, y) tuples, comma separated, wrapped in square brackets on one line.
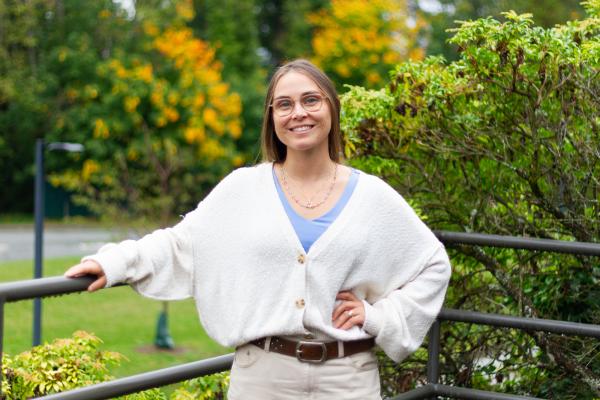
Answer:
[(298, 111)]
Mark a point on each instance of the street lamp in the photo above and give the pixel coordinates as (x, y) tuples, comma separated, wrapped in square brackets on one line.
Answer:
[(40, 146)]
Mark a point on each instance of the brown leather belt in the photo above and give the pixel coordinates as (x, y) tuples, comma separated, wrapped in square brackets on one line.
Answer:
[(313, 352)]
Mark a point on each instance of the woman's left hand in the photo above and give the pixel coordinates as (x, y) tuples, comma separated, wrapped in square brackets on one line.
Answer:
[(349, 312)]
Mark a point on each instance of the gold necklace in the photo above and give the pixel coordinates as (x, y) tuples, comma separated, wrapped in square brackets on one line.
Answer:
[(308, 204)]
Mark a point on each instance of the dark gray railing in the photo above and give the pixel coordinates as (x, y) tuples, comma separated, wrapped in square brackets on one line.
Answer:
[(433, 388), (21, 290), (148, 380), (516, 242)]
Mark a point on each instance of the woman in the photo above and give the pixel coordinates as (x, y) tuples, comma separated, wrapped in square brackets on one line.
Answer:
[(300, 262)]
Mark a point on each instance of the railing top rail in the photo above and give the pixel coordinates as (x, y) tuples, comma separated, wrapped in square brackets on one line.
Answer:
[(22, 290), (524, 323), (516, 242), (32, 288)]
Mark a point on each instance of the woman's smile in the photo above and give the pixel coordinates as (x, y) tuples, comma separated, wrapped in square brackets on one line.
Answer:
[(301, 128)]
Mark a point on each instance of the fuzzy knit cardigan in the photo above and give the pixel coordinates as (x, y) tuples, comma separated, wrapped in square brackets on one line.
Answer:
[(238, 255)]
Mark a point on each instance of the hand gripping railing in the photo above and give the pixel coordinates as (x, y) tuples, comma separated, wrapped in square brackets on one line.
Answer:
[(21, 290)]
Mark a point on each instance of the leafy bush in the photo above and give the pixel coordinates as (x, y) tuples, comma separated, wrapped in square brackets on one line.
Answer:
[(504, 140), (212, 387), (67, 364)]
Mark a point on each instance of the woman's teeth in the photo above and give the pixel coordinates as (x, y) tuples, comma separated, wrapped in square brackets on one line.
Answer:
[(301, 128)]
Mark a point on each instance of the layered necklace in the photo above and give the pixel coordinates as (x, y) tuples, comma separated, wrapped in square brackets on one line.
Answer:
[(309, 204)]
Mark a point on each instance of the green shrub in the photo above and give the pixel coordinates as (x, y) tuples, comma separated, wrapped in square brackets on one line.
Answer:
[(50, 368), (212, 387), (503, 141), (67, 364)]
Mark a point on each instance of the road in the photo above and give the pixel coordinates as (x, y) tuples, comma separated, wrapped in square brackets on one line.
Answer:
[(17, 241)]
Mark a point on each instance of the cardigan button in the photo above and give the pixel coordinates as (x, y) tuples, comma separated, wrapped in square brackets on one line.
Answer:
[(301, 258), (300, 303)]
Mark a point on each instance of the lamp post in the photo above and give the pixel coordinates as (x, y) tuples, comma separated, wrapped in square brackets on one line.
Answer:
[(40, 146)]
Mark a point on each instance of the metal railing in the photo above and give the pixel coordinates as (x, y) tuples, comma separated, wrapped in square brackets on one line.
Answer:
[(30, 289), (433, 388)]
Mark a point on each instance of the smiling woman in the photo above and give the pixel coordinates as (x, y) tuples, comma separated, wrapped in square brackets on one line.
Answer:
[(301, 263)]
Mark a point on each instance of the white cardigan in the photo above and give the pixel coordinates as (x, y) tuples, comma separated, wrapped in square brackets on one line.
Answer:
[(238, 255)]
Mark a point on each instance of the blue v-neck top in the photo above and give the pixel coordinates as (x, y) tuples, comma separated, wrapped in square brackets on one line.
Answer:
[(309, 230)]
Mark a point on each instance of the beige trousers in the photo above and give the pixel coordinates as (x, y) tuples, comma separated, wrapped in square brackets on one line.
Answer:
[(260, 375)]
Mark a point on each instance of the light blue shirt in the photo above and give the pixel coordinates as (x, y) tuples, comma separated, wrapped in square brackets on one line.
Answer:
[(309, 230)]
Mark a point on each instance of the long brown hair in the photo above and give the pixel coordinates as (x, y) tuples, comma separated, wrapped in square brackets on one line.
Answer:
[(272, 148)]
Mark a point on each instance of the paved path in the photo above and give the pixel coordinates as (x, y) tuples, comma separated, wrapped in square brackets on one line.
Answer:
[(17, 241)]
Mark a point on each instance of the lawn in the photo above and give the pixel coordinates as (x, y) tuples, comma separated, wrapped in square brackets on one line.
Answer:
[(124, 320)]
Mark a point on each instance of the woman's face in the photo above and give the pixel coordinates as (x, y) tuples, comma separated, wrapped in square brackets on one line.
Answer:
[(301, 130)]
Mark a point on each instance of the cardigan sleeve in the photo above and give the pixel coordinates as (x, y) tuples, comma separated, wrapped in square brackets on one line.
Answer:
[(159, 265), (401, 320)]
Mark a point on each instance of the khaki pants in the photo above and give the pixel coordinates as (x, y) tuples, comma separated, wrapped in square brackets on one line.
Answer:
[(260, 375)]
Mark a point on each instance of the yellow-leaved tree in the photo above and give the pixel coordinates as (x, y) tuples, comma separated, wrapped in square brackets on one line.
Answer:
[(357, 42), (158, 123)]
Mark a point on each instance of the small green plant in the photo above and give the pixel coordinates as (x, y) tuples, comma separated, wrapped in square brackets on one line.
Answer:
[(212, 387), (62, 365)]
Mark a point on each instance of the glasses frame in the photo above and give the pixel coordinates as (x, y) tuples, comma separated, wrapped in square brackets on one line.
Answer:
[(324, 98)]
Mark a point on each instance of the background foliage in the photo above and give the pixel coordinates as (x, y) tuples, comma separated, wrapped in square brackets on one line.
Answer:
[(56, 82), (357, 42), (546, 13), (505, 141), (162, 123)]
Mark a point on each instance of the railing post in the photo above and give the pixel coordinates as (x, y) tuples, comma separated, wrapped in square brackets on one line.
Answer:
[(433, 358), (39, 237)]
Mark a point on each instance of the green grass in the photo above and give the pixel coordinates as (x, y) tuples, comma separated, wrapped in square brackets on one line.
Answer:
[(123, 319), (16, 218)]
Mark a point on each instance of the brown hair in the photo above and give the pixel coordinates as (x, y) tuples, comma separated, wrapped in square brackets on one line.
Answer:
[(272, 148)]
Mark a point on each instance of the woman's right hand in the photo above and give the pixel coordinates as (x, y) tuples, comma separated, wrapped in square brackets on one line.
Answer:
[(88, 267)]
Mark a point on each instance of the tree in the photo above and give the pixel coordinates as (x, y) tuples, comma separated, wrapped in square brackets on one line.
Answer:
[(21, 104), (232, 28), (285, 30), (273, 27), (357, 42), (504, 140), (158, 123), (31, 34), (547, 13)]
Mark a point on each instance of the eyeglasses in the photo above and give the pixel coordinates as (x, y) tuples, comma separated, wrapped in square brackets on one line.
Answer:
[(310, 102)]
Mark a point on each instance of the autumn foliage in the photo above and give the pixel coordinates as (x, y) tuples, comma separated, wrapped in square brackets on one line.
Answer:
[(358, 42), (164, 109)]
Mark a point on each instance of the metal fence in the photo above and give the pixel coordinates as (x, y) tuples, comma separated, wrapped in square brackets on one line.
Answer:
[(30, 289)]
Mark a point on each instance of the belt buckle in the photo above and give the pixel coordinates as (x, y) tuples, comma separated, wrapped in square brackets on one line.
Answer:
[(318, 361)]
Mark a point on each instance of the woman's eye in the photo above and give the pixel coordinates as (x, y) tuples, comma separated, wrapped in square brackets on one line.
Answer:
[(284, 104), (311, 100)]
